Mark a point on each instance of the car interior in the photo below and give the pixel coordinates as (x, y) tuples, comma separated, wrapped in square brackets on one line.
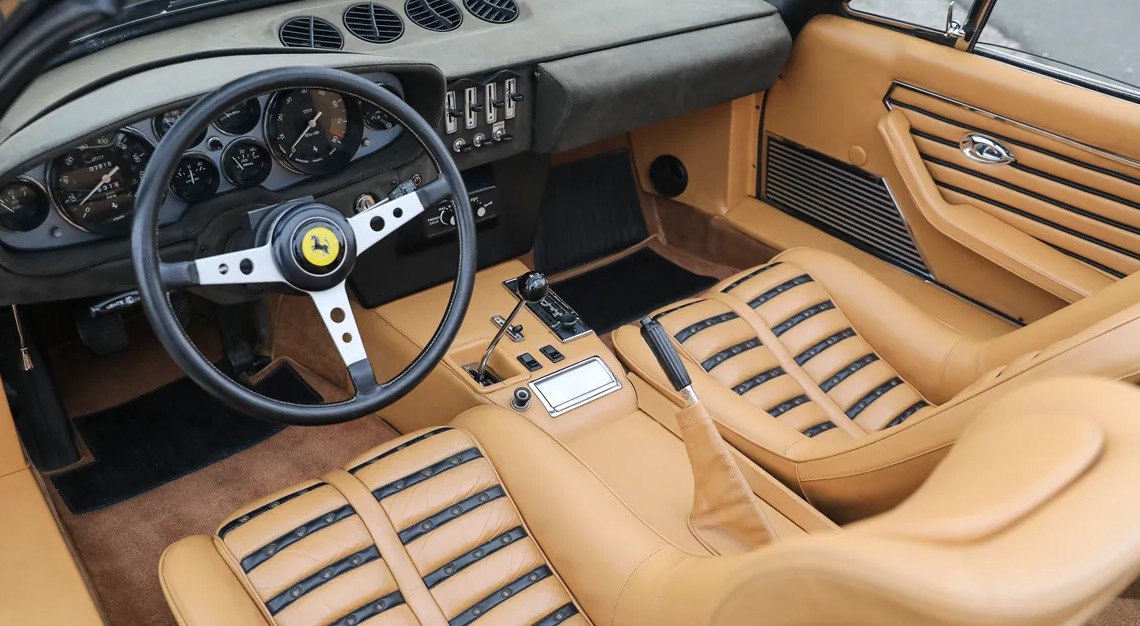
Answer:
[(535, 312)]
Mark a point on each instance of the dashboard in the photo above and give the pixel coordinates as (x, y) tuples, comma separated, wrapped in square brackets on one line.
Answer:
[(503, 95), (274, 141)]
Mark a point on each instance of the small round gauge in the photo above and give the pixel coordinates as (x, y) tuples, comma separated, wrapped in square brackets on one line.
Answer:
[(314, 131), (375, 117), (246, 163), (23, 206), (163, 123), (94, 184), (240, 118), (196, 179)]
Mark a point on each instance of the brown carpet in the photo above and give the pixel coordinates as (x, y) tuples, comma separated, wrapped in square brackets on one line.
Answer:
[(121, 545)]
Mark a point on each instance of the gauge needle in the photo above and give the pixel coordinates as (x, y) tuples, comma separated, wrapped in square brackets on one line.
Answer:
[(311, 126), (7, 208), (102, 181), (235, 160)]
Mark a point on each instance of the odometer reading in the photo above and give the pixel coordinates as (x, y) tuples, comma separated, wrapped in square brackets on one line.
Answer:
[(95, 184), (313, 131)]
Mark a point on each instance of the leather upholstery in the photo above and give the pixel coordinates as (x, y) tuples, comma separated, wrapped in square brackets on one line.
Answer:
[(848, 392), (420, 530), (988, 539)]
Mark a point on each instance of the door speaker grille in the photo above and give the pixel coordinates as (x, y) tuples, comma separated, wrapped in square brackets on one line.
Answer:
[(843, 200)]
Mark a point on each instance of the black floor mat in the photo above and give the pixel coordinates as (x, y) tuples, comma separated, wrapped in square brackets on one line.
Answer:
[(626, 290), (590, 209), (164, 435)]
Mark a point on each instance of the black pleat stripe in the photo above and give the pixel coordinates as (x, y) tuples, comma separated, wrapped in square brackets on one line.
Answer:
[(474, 556), (403, 446), (720, 357), (757, 380), (321, 522), (502, 595), (802, 316), (452, 512), (560, 615), (265, 508), (370, 610), (277, 603), (415, 478), (783, 287), (847, 372), (662, 314), (818, 348), (905, 415), (750, 276), (819, 429), (875, 394), (788, 405), (686, 333)]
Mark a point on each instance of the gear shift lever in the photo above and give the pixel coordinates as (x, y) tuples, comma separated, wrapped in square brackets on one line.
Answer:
[(532, 287)]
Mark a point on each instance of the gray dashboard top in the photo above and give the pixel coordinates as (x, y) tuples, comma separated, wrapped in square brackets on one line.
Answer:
[(545, 29)]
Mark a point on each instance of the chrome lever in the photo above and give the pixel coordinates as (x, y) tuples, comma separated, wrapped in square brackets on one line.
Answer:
[(985, 149)]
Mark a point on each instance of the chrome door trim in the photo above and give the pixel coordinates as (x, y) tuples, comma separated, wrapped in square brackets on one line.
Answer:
[(985, 149), (1073, 143)]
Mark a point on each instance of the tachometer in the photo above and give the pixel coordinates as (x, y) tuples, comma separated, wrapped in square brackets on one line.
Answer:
[(95, 184), (314, 131)]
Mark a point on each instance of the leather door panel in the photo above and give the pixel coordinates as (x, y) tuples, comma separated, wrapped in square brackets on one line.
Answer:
[(1060, 222)]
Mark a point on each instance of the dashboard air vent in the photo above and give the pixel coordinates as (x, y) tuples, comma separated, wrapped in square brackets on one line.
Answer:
[(437, 15), (494, 11), (373, 22), (311, 32)]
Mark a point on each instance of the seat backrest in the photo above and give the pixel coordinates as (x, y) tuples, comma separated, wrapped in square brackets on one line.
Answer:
[(1031, 519)]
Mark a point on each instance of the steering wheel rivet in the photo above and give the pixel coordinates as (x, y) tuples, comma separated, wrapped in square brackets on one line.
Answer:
[(223, 269)]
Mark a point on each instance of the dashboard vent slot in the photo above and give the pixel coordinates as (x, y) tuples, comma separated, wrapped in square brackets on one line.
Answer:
[(494, 11), (437, 15), (842, 200), (311, 32), (373, 23)]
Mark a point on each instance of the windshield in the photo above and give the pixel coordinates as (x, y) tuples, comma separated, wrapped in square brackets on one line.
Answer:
[(143, 17)]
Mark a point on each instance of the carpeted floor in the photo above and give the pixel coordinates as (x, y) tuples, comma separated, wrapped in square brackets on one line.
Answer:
[(120, 545)]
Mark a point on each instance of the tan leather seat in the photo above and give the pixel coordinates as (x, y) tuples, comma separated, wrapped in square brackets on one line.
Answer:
[(849, 393), (427, 529)]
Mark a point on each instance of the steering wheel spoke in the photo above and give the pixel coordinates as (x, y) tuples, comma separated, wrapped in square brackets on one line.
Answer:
[(244, 267), (375, 224), (336, 313)]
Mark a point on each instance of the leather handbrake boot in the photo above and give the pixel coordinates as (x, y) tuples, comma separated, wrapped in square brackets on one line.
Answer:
[(726, 516)]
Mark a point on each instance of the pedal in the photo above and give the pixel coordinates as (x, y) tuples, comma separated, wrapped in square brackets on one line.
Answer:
[(102, 327), (103, 334)]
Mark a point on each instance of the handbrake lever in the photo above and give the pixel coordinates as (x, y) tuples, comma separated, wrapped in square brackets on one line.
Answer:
[(667, 357)]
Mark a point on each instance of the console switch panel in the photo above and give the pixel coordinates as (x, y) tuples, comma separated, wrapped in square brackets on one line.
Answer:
[(555, 314)]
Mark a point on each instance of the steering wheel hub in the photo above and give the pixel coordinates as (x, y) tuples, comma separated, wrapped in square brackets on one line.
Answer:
[(313, 246)]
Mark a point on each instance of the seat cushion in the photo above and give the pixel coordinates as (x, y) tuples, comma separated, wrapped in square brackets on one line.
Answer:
[(420, 530)]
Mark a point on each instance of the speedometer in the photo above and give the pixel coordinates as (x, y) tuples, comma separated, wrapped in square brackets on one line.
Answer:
[(95, 184), (314, 131)]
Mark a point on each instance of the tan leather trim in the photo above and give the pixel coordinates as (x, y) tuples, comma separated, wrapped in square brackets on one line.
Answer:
[(984, 234)]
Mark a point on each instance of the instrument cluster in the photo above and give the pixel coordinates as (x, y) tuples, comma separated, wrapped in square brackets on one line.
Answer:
[(273, 141)]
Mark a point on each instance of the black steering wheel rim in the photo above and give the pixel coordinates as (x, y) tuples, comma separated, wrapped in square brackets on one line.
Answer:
[(149, 268)]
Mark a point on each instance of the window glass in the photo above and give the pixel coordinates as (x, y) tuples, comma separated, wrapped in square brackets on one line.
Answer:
[(1089, 38)]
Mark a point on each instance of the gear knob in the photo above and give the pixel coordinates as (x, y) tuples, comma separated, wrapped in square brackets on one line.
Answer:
[(533, 287)]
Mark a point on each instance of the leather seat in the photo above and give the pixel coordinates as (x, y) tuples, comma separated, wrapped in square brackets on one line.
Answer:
[(849, 393), (494, 522)]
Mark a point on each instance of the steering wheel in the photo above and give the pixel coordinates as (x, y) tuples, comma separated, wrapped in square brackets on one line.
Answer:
[(303, 246)]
